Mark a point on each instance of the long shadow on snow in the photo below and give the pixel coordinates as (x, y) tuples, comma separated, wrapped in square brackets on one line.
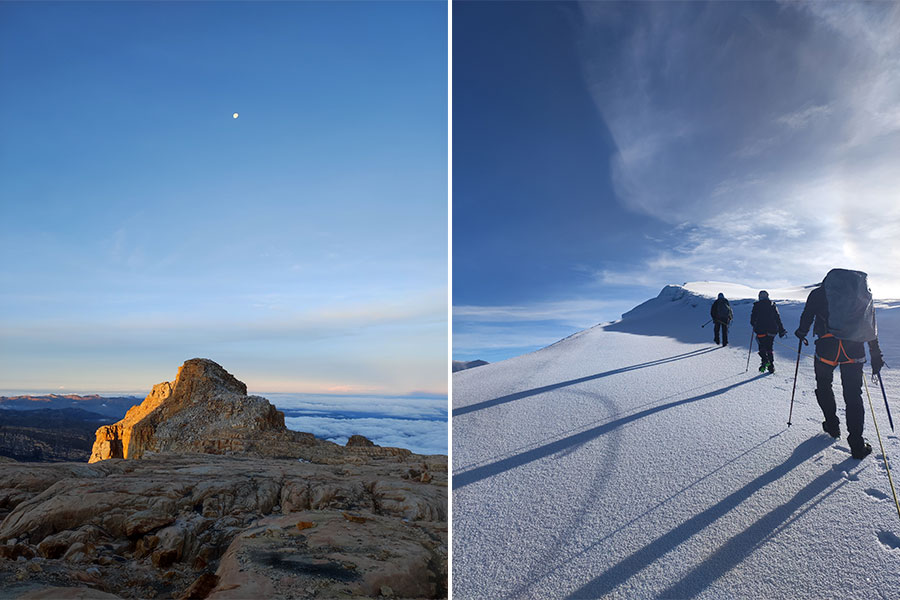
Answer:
[(562, 558), (478, 473), (721, 561), (554, 386), (730, 554)]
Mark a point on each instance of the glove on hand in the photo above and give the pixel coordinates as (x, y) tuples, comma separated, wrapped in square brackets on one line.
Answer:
[(877, 363), (800, 334), (782, 333)]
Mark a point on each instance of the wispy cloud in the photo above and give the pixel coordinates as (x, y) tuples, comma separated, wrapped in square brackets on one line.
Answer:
[(491, 332), (388, 347), (766, 135), (575, 312), (803, 117), (314, 324)]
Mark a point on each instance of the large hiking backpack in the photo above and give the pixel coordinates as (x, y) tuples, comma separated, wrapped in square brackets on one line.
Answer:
[(722, 309), (851, 312)]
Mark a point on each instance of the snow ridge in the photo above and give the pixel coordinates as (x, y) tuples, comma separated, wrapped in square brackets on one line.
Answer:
[(636, 459)]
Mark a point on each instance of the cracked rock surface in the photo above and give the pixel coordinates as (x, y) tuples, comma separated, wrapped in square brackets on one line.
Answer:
[(150, 528)]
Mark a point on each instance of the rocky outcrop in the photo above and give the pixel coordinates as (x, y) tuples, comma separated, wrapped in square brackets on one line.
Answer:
[(220, 506), (207, 410), (360, 441), (239, 527)]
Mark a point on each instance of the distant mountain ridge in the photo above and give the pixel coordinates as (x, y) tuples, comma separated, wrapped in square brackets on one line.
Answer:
[(109, 406), (461, 365), (48, 434)]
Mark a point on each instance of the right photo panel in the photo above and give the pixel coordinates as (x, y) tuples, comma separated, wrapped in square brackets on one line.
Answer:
[(675, 315)]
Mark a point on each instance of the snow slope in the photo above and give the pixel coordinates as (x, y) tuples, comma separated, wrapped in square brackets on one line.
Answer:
[(638, 460)]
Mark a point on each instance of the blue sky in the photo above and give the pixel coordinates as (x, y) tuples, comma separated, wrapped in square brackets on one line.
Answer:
[(303, 246), (603, 150)]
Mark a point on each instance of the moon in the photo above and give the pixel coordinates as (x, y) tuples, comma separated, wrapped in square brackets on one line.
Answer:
[(235, 116)]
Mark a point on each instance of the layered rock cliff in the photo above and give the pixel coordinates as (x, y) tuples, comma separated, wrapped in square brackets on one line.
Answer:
[(206, 409)]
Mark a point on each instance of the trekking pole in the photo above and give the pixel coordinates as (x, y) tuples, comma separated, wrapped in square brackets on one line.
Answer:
[(886, 407), (883, 453), (749, 350), (705, 324), (796, 370)]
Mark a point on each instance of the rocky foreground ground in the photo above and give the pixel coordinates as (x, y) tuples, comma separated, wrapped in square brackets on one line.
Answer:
[(200, 491), (232, 527)]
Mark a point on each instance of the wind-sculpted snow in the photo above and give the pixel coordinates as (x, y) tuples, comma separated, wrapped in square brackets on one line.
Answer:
[(638, 460)]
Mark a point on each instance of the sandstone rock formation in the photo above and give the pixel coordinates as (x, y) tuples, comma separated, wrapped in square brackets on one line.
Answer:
[(220, 506), (206, 409)]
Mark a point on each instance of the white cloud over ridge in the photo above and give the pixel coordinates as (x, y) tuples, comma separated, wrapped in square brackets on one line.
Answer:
[(413, 407), (418, 423), (420, 436), (765, 134)]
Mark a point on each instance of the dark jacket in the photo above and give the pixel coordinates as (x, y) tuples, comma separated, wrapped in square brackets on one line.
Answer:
[(721, 311), (827, 346), (765, 318)]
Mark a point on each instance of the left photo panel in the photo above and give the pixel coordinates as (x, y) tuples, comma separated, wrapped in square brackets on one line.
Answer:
[(223, 300)]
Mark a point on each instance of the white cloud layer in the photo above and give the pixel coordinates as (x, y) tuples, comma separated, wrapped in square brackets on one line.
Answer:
[(422, 437), (418, 423)]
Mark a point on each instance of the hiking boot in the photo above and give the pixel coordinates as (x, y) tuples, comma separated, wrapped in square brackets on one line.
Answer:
[(771, 367), (762, 367), (716, 341), (832, 430), (861, 452), (724, 344)]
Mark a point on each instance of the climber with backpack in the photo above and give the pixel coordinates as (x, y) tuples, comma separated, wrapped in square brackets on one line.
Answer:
[(844, 316), (766, 322), (721, 313)]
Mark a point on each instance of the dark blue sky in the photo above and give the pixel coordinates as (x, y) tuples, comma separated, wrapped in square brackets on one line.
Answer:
[(535, 216), (533, 202), (603, 150)]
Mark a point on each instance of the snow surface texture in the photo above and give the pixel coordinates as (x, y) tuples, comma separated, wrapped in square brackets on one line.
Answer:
[(636, 459)]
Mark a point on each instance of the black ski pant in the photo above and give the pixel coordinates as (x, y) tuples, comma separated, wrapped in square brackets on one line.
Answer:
[(724, 328), (851, 382), (765, 343)]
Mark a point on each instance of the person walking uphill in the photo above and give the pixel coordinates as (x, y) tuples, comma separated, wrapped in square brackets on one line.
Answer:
[(766, 322), (722, 315), (844, 320)]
